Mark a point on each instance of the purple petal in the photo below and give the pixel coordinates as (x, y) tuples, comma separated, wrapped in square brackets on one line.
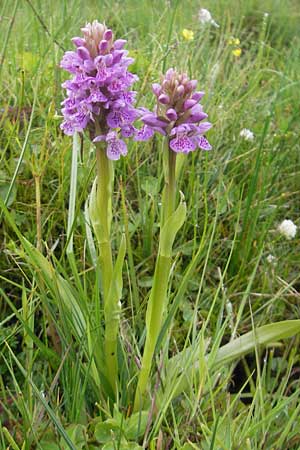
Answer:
[(164, 99), (203, 127), (78, 41), (71, 62), (129, 96), (108, 59), (89, 65), (100, 138), (102, 72), (120, 117), (198, 95), (183, 128), (119, 44), (159, 130), (118, 104), (180, 90), (107, 35), (96, 96), (171, 114), (152, 120), (203, 143), (82, 117), (114, 119), (128, 131), (156, 89), (182, 144), (103, 45), (68, 128), (169, 74), (144, 133), (116, 147), (191, 85), (196, 114), (115, 86), (189, 103), (117, 56), (83, 53)]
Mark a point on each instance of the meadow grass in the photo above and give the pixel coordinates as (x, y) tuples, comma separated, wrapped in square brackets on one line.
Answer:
[(236, 196)]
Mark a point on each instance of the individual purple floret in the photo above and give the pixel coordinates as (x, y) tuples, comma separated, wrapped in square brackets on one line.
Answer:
[(177, 114), (99, 98)]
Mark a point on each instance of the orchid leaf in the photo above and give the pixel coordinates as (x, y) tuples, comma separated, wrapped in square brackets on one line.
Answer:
[(171, 228), (230, 352), (264, 335)]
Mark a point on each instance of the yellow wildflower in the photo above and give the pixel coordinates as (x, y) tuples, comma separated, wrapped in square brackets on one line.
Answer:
[(188, 34), (234, 41), (237, 52)]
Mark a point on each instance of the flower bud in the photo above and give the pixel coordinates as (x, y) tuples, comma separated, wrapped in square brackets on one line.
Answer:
[(118, 55), (171, 114), (108, 59), (164, 99), (119, 44), (198, 95), (189, 103), (151, 120), (197, 116), (107, 35), (103, 46), (180, 90), (78, 41), (191, 85), (83, 53), (93, 34), (169, 74), (156, 89), (204, 127)]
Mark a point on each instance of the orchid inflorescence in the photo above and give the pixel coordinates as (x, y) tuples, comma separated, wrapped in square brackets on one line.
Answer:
[(178, 113), (100, 100)]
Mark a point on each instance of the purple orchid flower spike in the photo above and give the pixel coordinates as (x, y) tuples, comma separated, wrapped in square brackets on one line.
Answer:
[(177, 114), (99, 98)]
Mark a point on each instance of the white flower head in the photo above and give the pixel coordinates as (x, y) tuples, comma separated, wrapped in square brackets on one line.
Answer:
[(288, 229), (204, 17), (271, 259), (247, 134)]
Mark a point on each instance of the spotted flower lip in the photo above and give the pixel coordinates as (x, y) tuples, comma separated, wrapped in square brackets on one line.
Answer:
[(115, 147), (178, 114), (186, 138), (99, 95)]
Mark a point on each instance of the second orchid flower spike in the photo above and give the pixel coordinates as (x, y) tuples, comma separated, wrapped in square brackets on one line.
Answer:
[(178, 114)]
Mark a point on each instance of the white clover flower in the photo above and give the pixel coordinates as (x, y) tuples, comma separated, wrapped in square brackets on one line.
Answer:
[(271, 259), (247, 134), (204, 17), (287, 228)]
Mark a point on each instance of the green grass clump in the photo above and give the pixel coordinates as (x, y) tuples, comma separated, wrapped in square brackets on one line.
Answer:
[(236, 196)]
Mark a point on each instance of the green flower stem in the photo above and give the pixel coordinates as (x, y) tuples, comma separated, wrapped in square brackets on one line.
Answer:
[(104, 205), (158, 296), (170, 188), (104, 194), (154, 318)]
